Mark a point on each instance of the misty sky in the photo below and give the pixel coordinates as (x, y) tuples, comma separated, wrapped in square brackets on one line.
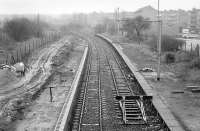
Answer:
[(86, 6)]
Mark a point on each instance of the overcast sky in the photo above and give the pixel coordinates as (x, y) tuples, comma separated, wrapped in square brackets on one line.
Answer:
[(86, 6)]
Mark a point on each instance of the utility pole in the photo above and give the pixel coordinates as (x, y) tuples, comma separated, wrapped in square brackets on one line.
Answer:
[(118, 21), (159, 41), (115, 19)]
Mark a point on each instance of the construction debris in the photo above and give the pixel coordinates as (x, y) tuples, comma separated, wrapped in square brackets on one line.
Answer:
[(193, 89), (17, 68)]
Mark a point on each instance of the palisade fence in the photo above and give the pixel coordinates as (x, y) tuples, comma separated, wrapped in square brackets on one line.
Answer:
[(25, 48), (191, 46)]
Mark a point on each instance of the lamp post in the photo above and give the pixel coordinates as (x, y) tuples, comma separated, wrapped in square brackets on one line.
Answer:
[(159, 41), (159, 21), (117, 23)]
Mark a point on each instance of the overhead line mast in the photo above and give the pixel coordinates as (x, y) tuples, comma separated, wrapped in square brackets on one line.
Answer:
[(159, 41)]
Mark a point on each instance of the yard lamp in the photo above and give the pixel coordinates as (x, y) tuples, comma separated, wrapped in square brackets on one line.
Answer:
[(159, 41)]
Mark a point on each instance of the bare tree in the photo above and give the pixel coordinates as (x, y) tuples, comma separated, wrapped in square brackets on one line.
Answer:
[(135, 26)]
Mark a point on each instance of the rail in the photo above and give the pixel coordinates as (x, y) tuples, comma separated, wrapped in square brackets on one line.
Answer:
[(162, 110), (63, 121), (90, 97)]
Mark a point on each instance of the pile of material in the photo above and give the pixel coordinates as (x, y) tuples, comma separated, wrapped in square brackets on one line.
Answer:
[(16, 68)]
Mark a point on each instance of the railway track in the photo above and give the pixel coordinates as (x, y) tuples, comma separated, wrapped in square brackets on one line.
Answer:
[(110, 97), (90, 101)]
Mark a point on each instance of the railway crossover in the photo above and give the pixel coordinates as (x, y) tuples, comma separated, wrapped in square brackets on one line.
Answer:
[(110, 98)]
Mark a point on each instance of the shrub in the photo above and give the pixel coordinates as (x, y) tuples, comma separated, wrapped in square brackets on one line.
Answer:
[(195, 63), (152, 42), (21, 29), (182, 56), (100, 28), (72, 46), (169, 58), (6, 43), (168, 43)]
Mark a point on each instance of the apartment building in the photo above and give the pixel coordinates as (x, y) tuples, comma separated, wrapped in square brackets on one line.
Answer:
[(195, 20)]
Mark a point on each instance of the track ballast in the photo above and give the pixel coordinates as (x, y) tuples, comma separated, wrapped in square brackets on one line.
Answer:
[(107, 88)]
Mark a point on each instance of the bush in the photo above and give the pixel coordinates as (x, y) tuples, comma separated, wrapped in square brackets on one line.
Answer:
[(168, 43), (100, 28), (21, 29), (169, 58), (6, 43), (171, 44), (135, 28), (195, 63), (182, 56), (152, 42)]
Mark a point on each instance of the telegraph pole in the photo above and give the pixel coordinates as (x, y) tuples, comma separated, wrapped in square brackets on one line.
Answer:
[(159, 41), (118, 20)]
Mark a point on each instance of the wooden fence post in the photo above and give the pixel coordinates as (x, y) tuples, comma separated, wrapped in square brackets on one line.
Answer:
[(28, 47), (25, 48), (185, 46), (17, 55), (6, 58), (13, 58), (21, 54), (33, 44), (191, 49), (197, 50)]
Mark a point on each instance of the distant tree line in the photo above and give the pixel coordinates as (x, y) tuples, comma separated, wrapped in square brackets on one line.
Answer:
[(107, 25), (20, 29), (168, 43), (71, 27)]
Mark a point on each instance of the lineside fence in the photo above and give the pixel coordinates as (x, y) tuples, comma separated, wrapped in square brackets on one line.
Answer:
[(192, 46), (25, 48)]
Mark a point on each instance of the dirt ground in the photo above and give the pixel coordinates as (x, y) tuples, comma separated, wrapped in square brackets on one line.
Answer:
[(53, 65), (42, 115), (182, 102)]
